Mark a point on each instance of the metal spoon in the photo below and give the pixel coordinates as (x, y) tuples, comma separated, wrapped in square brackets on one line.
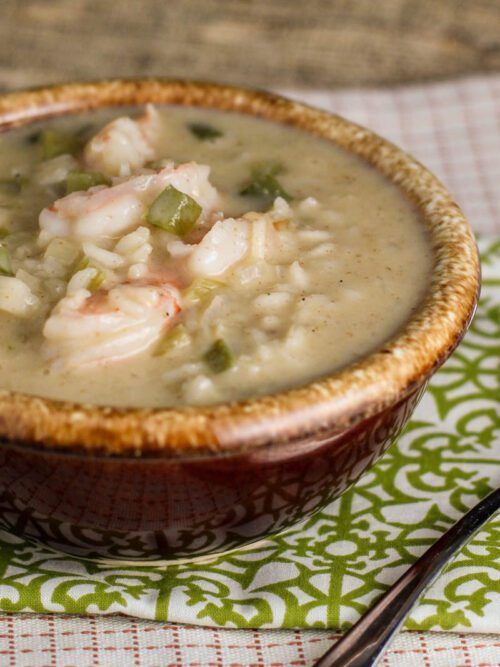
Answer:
[(364, 643)]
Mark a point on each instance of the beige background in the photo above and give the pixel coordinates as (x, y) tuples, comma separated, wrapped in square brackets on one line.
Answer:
[(299, 43)]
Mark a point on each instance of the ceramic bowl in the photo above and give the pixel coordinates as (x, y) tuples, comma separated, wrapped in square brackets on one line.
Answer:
[(163, 484)]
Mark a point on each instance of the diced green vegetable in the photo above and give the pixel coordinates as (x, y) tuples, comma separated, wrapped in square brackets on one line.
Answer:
[(4, 233), (83, 180), (5, 264), (84, 263), (265, 186), (267, 168), (218, 357), (175, 339), (55, 143), (264, 182), (174, 212), (201, 289), (96, 282), (204, 131), (13, 185)]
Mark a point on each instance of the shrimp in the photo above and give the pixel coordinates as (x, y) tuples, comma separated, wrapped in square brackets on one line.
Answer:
[(224, 245), (103, 213), (229, 241), (124, 145), (85, 329)]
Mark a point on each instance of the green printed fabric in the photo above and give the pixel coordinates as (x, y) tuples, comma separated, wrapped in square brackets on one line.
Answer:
[(328, 571)]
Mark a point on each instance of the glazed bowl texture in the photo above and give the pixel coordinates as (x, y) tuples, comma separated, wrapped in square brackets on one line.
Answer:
[(162, 484)]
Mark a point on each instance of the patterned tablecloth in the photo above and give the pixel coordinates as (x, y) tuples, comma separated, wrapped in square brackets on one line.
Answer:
[(323, 574)]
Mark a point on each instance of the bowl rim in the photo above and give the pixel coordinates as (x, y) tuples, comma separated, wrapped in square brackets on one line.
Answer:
[(328, 405)]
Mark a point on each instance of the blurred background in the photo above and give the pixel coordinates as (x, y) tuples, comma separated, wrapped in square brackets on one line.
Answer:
[(264, 43)]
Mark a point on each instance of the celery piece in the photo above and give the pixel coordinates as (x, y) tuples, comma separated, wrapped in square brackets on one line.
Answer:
[(84, 263), (175, 339), (218, 357), (267, 168), (201, 289), (83, 180), (55, 143), (174, 211), (264, 182), (204, 131), (5, 264), (96, 282)]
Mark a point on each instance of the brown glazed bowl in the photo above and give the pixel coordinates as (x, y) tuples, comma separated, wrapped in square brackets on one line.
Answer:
[(162, 484)]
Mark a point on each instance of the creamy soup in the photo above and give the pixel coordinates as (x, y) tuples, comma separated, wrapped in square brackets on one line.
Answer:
[(167, 256)]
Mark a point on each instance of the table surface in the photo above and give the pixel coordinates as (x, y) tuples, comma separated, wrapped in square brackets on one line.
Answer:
[(453, 128), (65, 641)]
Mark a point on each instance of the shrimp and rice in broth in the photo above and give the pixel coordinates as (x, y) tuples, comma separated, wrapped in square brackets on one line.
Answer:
[(181, 256)]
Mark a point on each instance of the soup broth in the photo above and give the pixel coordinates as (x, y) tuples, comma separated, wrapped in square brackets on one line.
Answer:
[(174, 256)]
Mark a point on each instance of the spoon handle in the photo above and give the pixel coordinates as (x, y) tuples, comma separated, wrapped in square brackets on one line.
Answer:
[(362, 645)]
